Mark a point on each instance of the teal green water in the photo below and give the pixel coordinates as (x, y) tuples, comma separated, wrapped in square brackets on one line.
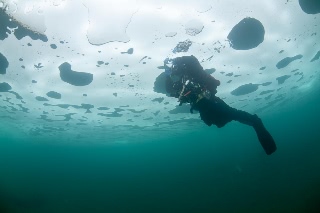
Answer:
[(216, 170)]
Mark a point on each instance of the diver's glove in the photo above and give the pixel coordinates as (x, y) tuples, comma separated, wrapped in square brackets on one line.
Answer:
[(183, 99)]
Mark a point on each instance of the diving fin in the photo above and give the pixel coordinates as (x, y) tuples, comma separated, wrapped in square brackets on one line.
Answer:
[(264, 137)]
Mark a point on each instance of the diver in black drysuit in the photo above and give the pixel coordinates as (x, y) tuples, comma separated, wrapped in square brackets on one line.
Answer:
[(187, 81)]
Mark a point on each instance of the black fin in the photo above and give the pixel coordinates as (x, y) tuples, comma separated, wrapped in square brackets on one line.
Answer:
[(264, 137)]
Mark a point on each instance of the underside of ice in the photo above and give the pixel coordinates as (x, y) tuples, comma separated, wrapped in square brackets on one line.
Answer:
[(67, 65)]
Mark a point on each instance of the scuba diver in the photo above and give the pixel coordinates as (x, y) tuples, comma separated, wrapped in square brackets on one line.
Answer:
[(187, 81)]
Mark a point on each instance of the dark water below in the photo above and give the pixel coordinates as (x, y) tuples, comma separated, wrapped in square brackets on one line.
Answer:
[(216, 170)]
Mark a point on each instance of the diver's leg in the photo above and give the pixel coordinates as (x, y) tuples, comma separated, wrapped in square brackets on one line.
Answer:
[(216, 111), (243, 117), (232, 113), (264, 136)]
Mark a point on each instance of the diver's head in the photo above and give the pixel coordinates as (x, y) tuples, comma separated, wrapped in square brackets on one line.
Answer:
[(172, 68), (168, 66)]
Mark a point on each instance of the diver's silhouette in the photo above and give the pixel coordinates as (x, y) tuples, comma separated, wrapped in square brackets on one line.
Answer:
[(187, 81)]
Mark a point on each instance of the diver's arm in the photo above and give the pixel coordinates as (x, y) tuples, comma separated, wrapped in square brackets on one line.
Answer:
[(169, 86), (172, 88)]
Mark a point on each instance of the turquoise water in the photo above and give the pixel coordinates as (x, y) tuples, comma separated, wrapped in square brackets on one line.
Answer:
[(86, 126), (212, 170)]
